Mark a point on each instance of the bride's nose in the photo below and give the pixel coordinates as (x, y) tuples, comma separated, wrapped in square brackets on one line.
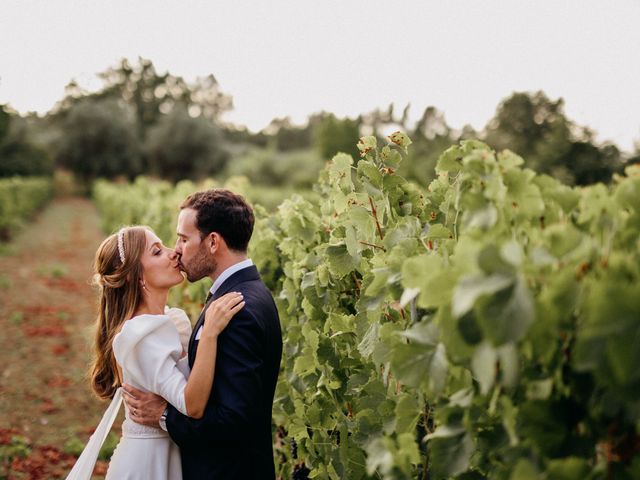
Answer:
[(172, 254)]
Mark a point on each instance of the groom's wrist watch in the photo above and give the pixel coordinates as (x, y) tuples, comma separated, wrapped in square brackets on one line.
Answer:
[(163, 419)]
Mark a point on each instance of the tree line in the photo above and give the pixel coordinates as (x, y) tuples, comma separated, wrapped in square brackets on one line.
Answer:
[(145, 122)]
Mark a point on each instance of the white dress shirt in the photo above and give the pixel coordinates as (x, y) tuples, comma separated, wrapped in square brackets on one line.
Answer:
[(236, 267)]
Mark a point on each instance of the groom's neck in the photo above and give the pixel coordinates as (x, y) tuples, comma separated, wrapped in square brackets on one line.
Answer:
[(227, 261)]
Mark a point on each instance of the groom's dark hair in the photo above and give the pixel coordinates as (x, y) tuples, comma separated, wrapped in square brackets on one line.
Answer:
[(222, 211)]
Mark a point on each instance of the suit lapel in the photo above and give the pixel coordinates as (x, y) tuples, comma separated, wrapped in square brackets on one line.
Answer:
[(245, 275), (192, 339)]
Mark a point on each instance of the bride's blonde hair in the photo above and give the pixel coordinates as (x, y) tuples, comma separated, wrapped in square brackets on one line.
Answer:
[(120, 293)]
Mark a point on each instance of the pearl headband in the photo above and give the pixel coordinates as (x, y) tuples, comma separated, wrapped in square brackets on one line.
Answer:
[(121, 244)]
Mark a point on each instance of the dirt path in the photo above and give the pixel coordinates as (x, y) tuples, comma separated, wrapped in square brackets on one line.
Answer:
[(47, 310)]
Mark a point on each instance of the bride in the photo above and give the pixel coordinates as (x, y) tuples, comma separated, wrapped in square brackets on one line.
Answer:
[(142, 342)]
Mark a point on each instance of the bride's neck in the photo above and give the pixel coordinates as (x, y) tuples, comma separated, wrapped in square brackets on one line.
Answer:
[(153, 302)]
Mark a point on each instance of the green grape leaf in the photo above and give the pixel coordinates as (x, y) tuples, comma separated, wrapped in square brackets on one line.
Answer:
[(507, 159), (481, 218), (340, 172), (400, 139), (450, 160), (483, 366), (437, 231), (389, 157), (366, 144), (340, 261), (451, 450), (407, 412), (524, 470), (380, 456), (418, 364), (369, 171), (426, 273), (506, 315), (472, 287), (571, 468)]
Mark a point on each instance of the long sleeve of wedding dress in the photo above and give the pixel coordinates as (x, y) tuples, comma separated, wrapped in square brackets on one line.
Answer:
[(149, 348)]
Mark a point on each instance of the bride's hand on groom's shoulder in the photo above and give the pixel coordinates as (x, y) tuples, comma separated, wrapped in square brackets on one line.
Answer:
[(145, 408), (220, 313)]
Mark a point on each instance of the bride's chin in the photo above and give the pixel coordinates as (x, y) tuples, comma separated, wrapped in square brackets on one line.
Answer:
[(178, 277)]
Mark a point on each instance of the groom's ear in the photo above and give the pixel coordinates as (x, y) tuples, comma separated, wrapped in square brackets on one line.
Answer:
[(213, 242)]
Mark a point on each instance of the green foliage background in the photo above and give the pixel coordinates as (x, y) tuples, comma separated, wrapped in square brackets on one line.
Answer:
[(19, 155), (19, 199), (485, 326)]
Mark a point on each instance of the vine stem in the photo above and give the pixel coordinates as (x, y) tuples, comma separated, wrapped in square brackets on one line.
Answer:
[(426, 418), (374, 212), (356, 281), (372, 245)]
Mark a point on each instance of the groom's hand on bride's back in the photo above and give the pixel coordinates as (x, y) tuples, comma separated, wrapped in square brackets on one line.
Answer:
[(145, 408)]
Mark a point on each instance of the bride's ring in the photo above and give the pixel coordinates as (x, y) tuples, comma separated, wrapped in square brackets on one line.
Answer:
[(134, 412)]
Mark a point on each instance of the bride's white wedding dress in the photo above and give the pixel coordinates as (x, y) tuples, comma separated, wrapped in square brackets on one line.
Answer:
[(149, 349)]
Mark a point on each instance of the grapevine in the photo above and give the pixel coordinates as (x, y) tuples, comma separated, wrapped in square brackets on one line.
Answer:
[(483, 326)]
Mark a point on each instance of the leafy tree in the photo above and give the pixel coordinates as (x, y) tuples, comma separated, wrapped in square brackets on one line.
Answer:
[(287, 136), (589, 163), (635, 157), (334, 135), (536, 128), (267, 166), (377, 121), (19, 155), (152, 95), (431, 125), (181, 146), (242, 136), (431, 136), (5, 121), (532, 126), (99, 140)]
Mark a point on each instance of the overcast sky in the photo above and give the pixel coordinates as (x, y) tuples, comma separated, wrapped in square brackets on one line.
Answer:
[(295, 57)]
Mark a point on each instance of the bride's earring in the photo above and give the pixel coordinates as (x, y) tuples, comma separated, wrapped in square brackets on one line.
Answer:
[(144, 285)]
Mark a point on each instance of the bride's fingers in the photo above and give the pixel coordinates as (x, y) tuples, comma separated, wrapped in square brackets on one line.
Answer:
[(231, 309), (228, 296), (226, 317), (223, 301), (232, 306), (230, 301), (236, 308), (130, 391), (226, 306), (220, 303), (235, 300)]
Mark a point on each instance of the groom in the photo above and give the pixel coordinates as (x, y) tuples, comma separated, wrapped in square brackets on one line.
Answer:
[(233, 438)]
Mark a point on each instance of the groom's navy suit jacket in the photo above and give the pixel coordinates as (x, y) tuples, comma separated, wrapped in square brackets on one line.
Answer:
[(233, 439)]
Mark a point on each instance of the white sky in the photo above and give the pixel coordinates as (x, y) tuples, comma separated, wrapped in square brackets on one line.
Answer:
[(295, 57)]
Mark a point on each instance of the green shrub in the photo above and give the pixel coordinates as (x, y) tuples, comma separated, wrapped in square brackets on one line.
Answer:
[(19, 198), (263, 166)]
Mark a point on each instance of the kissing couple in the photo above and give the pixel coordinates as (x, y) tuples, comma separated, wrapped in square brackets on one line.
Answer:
[(198, 402)]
